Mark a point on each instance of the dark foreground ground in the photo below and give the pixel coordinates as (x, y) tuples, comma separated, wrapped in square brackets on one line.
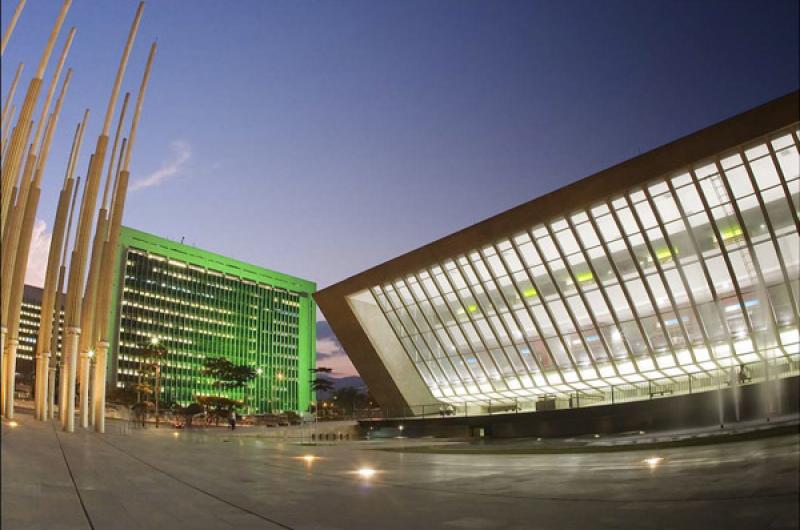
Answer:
[(134, 478)]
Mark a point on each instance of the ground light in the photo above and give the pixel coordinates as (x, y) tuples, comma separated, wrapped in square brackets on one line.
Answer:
[(176, 434), (12, 424), (366, 472), (653, 461)]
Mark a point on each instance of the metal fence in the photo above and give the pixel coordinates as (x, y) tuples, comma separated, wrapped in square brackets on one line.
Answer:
[(734, 376)]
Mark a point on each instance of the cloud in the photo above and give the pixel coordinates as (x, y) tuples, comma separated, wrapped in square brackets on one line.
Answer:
[(181, 153), (330, 352), (328, 346), (37, 257)]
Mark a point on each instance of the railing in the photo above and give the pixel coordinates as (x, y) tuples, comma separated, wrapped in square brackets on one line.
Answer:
[(734, 376)]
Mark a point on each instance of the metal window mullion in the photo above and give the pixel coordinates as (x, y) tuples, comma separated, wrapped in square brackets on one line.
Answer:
[(558, 334), (784, 184), (645, 283), (489, 379), (684, 281), (663, 277), (762, 284), (433, 332), (530, 312), (773, 237), (637, 319), (568, 309), (510, 311), (725, 255), (396, 334), (602, 289), (420, 332), (581, 294), (706, 273), (485, 315), (438, 317), (444, 325)]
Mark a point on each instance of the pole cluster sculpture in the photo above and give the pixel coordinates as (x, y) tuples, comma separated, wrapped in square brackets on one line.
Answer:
[(88, 272)]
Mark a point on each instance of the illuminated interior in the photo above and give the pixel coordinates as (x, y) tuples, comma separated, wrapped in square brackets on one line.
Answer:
[(692, 273)]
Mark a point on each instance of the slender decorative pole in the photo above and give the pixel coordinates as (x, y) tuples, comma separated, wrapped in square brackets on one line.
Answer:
[(60, 302), (88, 337), (10, 96), (78, 264), (11, 25), (13, 157), (26, 233), (11, 233), (110, 256), (5, 130), (50, 295), (19, 139), (13, 230)]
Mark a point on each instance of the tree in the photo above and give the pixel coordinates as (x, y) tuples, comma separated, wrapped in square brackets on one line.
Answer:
[(217, 368), (141, 409), (188, 412), (322, 385), (227, 376), (218, 406), (350, 398), (240, 375)]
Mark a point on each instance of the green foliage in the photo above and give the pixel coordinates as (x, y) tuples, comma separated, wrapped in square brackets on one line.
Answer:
[(349, 397), (188, 412), (226, 375), (322, 385)]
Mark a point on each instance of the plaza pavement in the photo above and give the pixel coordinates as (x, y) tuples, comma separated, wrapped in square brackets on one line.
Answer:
[(208, 479)]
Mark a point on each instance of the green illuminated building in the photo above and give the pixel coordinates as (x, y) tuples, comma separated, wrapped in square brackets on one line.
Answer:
[(199, 305)]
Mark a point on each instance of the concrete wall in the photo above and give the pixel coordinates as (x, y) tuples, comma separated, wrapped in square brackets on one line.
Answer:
[(693, 410)]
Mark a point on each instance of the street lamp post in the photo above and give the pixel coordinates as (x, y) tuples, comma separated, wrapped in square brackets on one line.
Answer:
[(259, 371)]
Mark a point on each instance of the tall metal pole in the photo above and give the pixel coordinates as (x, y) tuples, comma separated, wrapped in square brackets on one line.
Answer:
[(11, 231), (12, 159), (10, 97), (11, 25), (88, 336), (49, 295), (110, 255), (78, 265), (26, 232), (19, 139), (5, 131), (59, 303)]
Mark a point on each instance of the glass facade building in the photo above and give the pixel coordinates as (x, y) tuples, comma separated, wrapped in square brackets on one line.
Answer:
[(200, 305), (29, 319), (675, 277)]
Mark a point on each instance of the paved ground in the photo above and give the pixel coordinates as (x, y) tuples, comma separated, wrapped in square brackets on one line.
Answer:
[(196, 480)]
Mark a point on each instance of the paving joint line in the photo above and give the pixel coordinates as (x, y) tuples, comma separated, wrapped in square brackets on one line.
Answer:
[(196, 488), (72, 477)]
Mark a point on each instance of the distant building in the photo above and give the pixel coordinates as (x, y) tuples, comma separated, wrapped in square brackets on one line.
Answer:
[(29, 318), (200, 305), (674, 272)]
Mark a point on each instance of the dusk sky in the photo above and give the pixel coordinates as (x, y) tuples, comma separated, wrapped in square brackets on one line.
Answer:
[(323, 138)]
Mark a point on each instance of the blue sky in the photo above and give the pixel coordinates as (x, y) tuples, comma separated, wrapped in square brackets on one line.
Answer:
[(322, 138)]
